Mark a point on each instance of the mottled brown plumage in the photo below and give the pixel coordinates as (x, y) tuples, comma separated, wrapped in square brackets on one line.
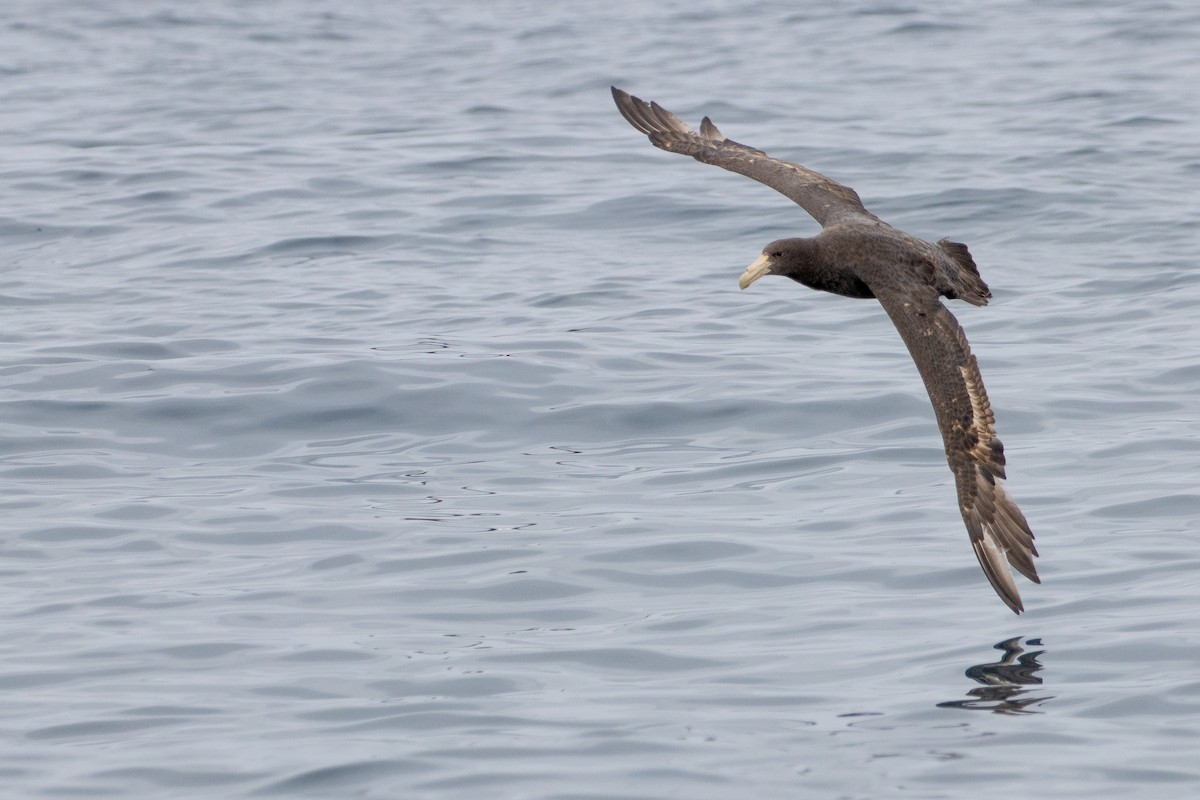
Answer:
[(858, 255)]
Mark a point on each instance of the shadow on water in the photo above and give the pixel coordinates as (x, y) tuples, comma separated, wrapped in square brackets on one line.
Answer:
[(1005, 682)]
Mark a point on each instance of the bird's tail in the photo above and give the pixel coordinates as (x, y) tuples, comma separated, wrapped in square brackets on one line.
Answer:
[(961, 281)]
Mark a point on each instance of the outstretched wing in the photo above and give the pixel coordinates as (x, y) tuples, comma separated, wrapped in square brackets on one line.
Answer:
[(826, 200), (998, 530)]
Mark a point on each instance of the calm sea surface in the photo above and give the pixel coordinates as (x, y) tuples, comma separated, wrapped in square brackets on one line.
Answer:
[(380, 416)]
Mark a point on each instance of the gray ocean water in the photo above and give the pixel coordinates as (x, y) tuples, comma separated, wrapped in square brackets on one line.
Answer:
[(381, 418)]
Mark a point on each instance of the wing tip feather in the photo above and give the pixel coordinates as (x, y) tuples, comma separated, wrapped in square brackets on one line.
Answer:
[(1001, 538), (634, 110), (649, 118), (995, 567)]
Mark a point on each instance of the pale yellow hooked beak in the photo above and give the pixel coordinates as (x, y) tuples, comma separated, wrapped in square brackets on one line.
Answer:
[(755, 271)]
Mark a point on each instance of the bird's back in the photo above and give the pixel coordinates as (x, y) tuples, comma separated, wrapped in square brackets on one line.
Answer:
[(869, 246)]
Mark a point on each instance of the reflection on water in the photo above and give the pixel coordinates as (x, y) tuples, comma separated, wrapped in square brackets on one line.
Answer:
[(1005, 681)]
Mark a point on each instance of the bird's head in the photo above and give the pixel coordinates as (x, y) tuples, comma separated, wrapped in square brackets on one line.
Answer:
[(780, 257)]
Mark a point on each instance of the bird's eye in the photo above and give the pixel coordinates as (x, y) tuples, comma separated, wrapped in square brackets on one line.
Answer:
[(777, 254)]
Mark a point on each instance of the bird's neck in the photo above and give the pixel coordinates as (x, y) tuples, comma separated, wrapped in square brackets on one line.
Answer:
[(809, 264)]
